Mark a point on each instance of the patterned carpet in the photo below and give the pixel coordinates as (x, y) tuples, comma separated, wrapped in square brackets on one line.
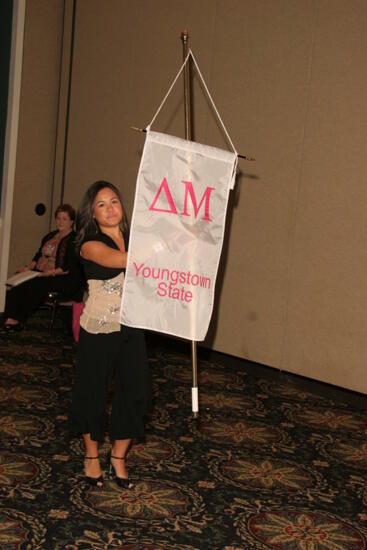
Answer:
[(268, 466)]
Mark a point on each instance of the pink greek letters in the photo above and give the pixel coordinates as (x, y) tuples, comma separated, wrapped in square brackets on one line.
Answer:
[(189, 193), (189, 190), (164, 186)]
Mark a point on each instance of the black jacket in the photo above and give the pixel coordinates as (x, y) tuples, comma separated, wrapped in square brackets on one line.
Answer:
[(67, 259)]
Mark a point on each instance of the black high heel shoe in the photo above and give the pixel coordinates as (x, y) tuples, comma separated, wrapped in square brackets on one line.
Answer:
[(94, 481), (123, 482)]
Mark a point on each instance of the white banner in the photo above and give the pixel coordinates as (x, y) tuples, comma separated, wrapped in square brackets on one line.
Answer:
[(176, 236)]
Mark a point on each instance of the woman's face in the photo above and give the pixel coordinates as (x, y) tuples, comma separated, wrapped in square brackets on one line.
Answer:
[(107, 210), (63, 222)]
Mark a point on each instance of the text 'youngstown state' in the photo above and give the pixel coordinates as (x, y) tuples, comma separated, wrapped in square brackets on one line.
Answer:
[(172, 281)]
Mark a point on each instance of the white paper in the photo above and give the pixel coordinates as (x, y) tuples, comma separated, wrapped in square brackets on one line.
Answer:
[(22, 277)]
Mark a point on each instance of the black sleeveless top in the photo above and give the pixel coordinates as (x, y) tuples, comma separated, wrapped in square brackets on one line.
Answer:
[(93, 270)]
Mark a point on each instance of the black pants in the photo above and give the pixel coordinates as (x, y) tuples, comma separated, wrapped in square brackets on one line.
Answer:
[(22, 300), (100, 356)]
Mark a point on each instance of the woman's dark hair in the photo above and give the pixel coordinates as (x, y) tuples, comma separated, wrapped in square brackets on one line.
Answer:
[(86, 225), (66, 208)]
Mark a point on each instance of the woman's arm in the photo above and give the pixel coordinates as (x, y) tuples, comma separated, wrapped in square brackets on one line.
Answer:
[(32, 264), (27, 267), (65, 254), (104, 255), (53, 272)]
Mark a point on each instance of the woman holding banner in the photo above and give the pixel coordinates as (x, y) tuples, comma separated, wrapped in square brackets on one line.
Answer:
[(107, 348)]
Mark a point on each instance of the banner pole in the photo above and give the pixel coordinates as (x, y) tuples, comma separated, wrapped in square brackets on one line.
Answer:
[(188, 136), (187, 85)]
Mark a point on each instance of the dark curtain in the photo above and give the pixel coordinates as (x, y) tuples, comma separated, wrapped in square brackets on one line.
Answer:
[(6, 13)]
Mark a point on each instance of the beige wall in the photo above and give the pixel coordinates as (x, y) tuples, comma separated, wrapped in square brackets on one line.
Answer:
[(37, 127), (289, 80)]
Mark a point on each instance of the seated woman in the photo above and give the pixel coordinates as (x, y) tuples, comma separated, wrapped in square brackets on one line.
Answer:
[(59, 271)]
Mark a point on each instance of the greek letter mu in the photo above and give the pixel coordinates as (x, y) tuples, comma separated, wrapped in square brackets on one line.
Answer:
[(189, 194)]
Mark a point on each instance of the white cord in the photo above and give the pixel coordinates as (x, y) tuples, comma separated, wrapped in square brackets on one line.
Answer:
[(212, 102), (207, 91), (169, 91)]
